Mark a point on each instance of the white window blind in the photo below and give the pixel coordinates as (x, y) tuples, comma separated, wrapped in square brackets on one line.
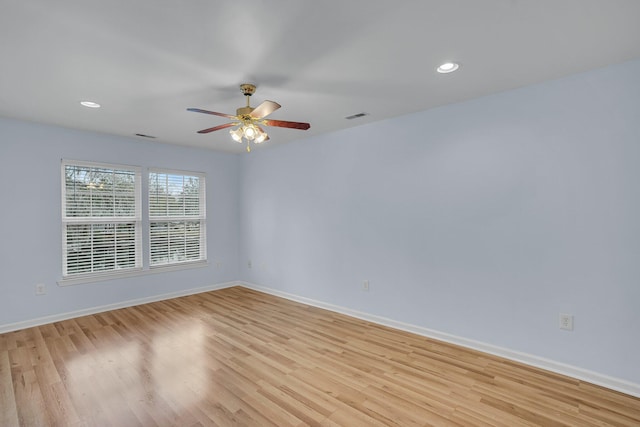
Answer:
[(101, 219), (177, 217)]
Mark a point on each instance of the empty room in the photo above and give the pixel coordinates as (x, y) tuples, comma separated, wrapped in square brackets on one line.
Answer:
[(299, 213)]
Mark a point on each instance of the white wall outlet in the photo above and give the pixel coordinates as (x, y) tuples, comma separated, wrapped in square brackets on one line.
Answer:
[(566, 322), (365, 286), (41, 289), (249, 264)]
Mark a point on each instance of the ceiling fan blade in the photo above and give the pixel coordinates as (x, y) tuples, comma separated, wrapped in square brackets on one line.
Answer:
[(224, 126), (197, 110), (264, 109), (286, 124)]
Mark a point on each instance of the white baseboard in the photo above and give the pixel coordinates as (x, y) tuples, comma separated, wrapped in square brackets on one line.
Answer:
[(100, 309), (592, 377)]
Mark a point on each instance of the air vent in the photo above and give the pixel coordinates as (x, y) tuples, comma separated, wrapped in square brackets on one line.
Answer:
[(145, 136), (356, 116)]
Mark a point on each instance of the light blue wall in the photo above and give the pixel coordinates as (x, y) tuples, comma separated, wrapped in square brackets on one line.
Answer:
[(30, 222), (483, 219)]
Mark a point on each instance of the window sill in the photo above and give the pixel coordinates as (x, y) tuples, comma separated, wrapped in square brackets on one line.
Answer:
[(70, 281)]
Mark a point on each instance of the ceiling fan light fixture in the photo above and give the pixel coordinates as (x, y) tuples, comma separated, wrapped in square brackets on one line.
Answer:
[(262, 136), (250, 132), (448, 67), (236, 134)]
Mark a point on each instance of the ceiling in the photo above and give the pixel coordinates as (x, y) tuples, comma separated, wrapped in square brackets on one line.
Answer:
[(147, 61)]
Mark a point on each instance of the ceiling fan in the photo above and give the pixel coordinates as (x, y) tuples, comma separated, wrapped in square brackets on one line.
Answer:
[(249, 120)]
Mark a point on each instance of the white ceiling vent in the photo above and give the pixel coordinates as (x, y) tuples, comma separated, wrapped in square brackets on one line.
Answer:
[(356, 116)]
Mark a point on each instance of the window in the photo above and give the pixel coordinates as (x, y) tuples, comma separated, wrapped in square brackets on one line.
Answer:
[(176, 218), (101, 219)]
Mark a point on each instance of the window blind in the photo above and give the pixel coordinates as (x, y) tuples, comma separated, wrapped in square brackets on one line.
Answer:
[(101, 218), (177, 217)]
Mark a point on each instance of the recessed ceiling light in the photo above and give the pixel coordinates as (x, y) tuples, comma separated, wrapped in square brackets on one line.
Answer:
[(447, 67), (90, 104)]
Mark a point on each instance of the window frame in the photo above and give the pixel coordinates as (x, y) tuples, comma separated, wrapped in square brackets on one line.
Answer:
[(201, 218), (142, 225), (91, 220)]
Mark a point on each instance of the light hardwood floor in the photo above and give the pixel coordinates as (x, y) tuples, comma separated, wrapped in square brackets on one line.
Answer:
[(240, 357)]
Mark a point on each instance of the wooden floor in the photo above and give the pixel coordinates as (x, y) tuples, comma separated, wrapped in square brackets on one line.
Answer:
[(240, 357)]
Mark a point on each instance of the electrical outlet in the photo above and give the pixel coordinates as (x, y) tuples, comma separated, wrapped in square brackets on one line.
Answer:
[(249, 264), (41, 289), (365, 286), (566, 322)]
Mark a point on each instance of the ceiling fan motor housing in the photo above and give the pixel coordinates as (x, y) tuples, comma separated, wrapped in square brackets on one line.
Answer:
[(244, 111)]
